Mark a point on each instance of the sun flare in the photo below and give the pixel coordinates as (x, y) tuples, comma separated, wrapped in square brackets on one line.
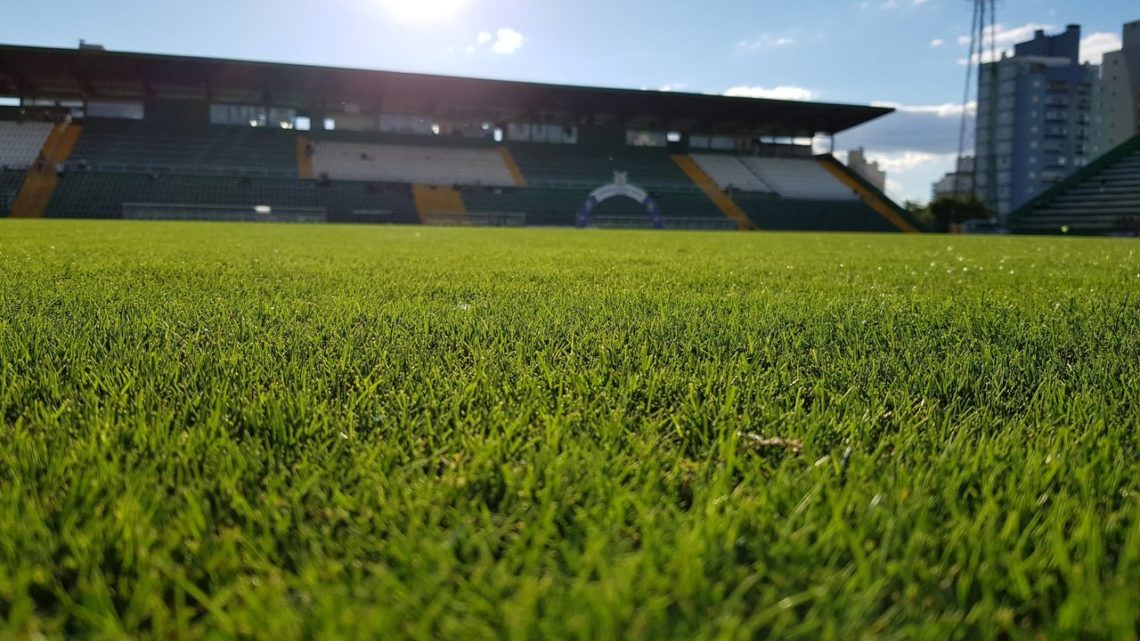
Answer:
[(423, 10)]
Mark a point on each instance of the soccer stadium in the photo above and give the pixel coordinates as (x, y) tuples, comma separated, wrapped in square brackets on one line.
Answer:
[(137, 136), (305, 351)]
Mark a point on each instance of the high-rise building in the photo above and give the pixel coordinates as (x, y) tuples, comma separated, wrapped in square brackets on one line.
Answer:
[(1034, 110), (870, 171), (1116, 105), (958, 182)]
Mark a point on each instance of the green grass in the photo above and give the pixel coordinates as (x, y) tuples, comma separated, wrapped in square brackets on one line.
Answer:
[(284, 432)]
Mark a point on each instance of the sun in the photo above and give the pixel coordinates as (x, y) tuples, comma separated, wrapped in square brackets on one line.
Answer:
[(423, 10)]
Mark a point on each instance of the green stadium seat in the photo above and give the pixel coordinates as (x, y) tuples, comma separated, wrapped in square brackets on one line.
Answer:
[(102, 195), (10, 183), (127, 145), (575, 166), (786, 214), (1103, 198)]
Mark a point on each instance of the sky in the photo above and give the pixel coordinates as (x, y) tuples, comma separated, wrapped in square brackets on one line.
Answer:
[(909, 54)]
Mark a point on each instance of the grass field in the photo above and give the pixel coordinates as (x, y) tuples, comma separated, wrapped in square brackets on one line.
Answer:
[(284, 432)]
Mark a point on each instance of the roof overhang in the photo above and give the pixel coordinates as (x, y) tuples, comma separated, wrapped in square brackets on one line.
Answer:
[(105, 75)]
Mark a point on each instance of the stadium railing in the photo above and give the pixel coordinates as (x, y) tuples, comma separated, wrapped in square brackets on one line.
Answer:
[(230, 213)]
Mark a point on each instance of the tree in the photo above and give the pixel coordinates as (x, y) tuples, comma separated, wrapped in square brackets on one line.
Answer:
[(955, 210), (919, 211)]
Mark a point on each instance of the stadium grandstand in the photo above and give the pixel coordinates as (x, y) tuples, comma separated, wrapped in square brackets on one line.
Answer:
[(1103, 198), (98, 134)]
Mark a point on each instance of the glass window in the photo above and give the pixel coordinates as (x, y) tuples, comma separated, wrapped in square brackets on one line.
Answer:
[(247, 115), (645, 138), (125, 110)]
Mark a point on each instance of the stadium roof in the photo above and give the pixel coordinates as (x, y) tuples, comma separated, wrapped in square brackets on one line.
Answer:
[(93, 74)]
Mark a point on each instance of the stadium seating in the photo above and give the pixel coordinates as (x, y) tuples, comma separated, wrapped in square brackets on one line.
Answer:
[(547, 206), (717, 195), (730, 172), (21, 142), (102, 195), (1103, 198), (898, 217), (787, 214), (802, 194), (798, 178), (40, 181), (127, 145), (10, 183), (439, 205), (573, 166), (541, 206), (691, 210), (359, 202), (559, 178), (401, 139), (382, 177), (558, 206), (411, 164)]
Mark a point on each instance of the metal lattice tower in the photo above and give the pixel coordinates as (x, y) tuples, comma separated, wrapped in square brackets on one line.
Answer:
[(983, 48)]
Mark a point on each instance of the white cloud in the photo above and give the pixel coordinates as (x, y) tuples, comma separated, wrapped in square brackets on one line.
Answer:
[(782, 92), (916, 145), (937, 42), (765, 41), (1003, 40), (673, 86), (932, 129), (1095, 45), (904, 161), (1004, 37), (887, 5), (946, 110), (504, 41), (911, 173), (507, 41), (895, 187)]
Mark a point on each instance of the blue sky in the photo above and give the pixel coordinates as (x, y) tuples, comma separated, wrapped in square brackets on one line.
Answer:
[(903, 52)]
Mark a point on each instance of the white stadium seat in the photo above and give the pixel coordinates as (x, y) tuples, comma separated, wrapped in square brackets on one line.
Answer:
[(21, 142), (798, 178), (421, 165), (729, 172)]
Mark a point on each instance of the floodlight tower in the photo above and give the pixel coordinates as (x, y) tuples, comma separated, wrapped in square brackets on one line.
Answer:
[(983, 48)]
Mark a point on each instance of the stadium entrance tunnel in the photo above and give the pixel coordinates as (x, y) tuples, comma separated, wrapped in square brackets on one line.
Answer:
[(619, 190)]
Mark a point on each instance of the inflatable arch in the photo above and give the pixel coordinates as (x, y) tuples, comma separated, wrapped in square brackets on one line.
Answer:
[(620, 190)]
